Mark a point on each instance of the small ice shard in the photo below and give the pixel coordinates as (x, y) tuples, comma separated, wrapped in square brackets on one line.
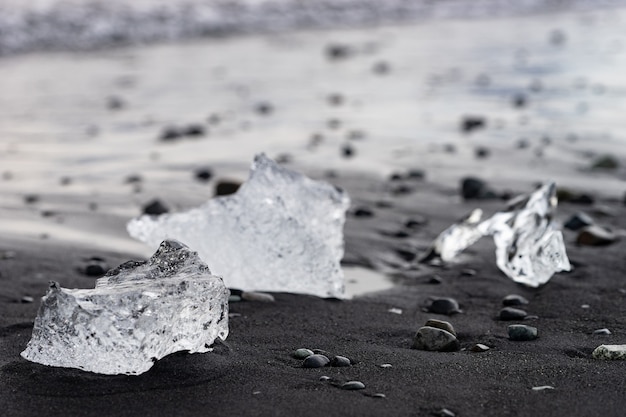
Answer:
[(139, 312), (529, 249), (280, 232)]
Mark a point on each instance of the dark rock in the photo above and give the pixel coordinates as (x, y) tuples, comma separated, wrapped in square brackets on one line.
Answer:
[(363, 212), (226, 187), (95, 267), (194, 130), (338, 51), (399, 234), (340, 361), (446, 305), (415, 222), (434, 339), (133, 179), (605, 162), (578, 221), (322, 352), (444, 412), (155, 208), (170, 133), (514, 300), (519, 101), (435, 280), (396, 176), (355, 135), (406, 254), (583, 199), (475, 188), (471, 123), (315, 361), (31, 198), (521, 332), (115, 103), (523, 143), (596, 236), (481, 152), (203, 174), (416, 174), (467, 272), (347, 151), (353, 385), (510, 313)]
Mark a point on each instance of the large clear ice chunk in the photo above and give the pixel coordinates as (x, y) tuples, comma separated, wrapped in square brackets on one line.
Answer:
[(280, 232), (139, 312), (529, 248)]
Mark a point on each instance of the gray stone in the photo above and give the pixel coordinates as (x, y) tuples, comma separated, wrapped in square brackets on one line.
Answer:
[(315, 361), (340, 361), (514, 300), (510, 313), (610, 352), (596, 236), (434, 339), (521, 332), (353, 385), (479, 347), (302, 353), (446, 305), (440, 324), (602, 332), (444, 412), (578, 221), (257, 296), (234, 298)]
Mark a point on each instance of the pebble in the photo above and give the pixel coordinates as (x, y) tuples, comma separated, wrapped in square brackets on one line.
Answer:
[(605, 162), (385, 365), (170, 133), (479, 347), (347, 151), (353, 385), (435, 280), (226, 187), (31, 198), (203, 174), (602, 332), (521, 332), (610, 352), (340, 361), (264, 108), (302, 353), (363, 212), (395, 310), (470, 123), (578, 221), (444, 412), (324, 378), (194, 130), (440, 324), (315, 361), (27, 299), (155, 208), (467, 272), (234, 298), (475, 188), (257, 296), (510, 313), (514, 300), (415, 222), (542, 388), (447, 306), (595, 236), (434, 339), (338, 51), (379, 395), (95, 267)]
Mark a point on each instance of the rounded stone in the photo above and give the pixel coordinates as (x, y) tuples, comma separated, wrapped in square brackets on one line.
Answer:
[(258, 296), (340, 361), (595, 236), (578, 221), (514, 300), (440, 324), (446, 305), (510, 313), (521, 332), (302, 353), (479, 347), (353, 385), (324, 378), (610, 352), (315, 361), (434, 339), (602, 332)]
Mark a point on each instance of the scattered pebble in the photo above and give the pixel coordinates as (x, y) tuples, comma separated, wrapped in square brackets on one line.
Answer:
[(324, 378), (444, 412), (415, 222), (315, 361), (155, 208), (363, 212), (446, 305), (385, 365), (95, 267), (340, 361), (226, 187), (521, 332), (435, 280), (514, 300), (234, 298), (471, 123), (481, 152), (440, 324), (596, 236), (257, 296), (347, 151), (170, 133), (302, 353), (542, 388), (602, 332), (264, 108), (578, 221), (585, 306), (395, 310), (194, 130), (338, 51), (353, 385), (27, 299), (434, 339), (31, 198), (610, 352), (605, 162), (379, 395), (467, 272), (203, 174), (474, 188), (510, 313), (479, 347)]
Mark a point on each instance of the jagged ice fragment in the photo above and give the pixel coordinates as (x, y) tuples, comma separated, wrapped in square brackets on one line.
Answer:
[(529, 248), (281, 232), (137, 313)]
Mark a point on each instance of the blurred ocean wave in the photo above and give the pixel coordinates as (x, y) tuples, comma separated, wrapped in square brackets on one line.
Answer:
[(38, 25)]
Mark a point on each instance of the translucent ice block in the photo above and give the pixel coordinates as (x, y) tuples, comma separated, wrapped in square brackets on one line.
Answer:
[(280, 232), (138, 313)]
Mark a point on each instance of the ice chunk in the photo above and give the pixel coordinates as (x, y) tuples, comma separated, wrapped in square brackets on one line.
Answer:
[(138, 313), (529, 249), (280, 232)]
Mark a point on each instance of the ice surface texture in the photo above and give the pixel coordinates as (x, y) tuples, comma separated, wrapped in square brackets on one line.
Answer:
[(529, 249), (138, 313), (280, 232)]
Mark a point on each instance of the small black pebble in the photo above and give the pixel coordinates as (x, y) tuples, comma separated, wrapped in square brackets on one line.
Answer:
[(194, 130), (446, 305), (170, 133), (315, 361), (363, 212), (514, 300), (203, 174), (155, 208), (347, 151), (225, 187), (264, 109), (471, 123), (510, 313), (340, 361)]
